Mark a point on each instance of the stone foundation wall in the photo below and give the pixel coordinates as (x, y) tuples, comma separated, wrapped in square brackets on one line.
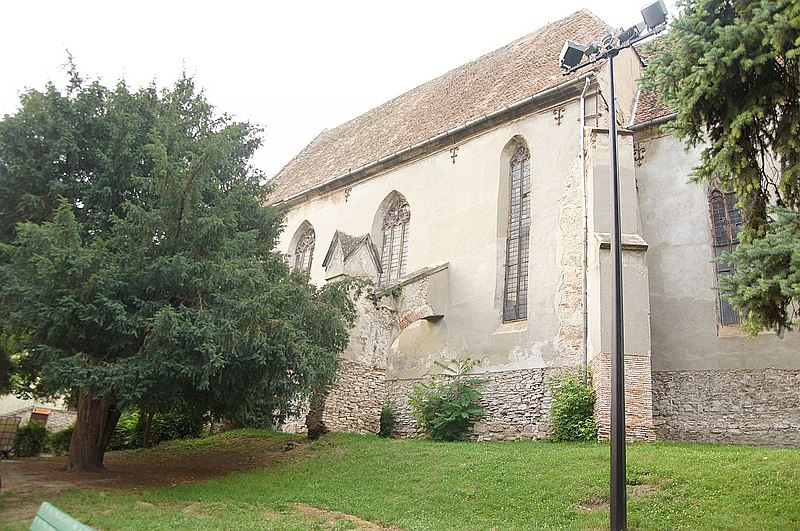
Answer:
[(354, 402), (730, 406), (517, 406), (638, 396), (59, 419)]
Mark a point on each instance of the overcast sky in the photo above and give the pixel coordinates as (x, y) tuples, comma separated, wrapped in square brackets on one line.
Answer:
[(295, 68)]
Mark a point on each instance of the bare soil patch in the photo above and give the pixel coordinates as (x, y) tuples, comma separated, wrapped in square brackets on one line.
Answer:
[(26, 482), (596, 503), (334, 517)]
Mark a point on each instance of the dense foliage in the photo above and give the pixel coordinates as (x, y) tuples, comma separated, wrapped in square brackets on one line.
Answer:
[(767, 272), (138, 264), (730, 69), (137, 430), (30, 439), (448, 404), (572, 412), (59, 440), (388, 420)]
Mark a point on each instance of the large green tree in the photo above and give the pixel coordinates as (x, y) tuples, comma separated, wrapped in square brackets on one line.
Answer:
[(138, 265), (731, 71)]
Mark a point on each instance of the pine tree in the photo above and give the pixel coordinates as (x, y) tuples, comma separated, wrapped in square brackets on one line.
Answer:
[(731, 71)]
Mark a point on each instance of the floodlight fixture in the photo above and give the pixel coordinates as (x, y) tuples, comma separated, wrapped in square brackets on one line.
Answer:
[(654, 14), (593, 48), (631, 33), (571, 54)]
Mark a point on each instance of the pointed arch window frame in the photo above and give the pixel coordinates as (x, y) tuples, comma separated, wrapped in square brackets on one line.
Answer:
[(517, 257), (395, 232), (304, 249)]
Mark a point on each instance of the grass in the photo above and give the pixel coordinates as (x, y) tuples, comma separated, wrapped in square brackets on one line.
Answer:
[(414, 484)]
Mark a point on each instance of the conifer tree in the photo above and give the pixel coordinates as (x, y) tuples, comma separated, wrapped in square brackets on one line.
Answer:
[(731, 71), (138, 265)]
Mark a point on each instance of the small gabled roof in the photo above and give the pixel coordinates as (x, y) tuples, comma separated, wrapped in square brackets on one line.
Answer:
[(349, 244), (491, 83)]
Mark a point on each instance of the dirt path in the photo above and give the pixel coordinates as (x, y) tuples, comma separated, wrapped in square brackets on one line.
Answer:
[(25, 482)]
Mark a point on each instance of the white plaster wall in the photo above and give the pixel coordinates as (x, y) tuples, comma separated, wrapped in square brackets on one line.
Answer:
[(636, 310), (454, 218), (676, 225)]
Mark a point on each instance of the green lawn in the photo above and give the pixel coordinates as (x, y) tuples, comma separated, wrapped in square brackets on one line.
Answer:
[(413, 484)]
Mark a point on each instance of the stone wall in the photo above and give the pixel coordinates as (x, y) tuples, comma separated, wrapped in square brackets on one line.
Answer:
[(354, 402), (517, 406), (638, 397), (569, 297), (57, 420), (728, 406)]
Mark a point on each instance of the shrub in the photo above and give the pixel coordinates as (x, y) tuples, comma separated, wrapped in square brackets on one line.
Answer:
[(447, 405), (59, 441), (124, 436), (388, 420), (169, 426), (573, 409), (30, 439), (132, 431)]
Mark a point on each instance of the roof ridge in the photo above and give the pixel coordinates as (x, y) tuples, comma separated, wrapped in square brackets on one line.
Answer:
[(583, 11), (495, 80)]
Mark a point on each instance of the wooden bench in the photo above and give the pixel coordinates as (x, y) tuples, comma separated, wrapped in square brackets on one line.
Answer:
[(50, 518)]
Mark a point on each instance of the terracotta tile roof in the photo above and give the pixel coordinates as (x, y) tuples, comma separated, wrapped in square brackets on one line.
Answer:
[(648, 104), (516, 71), (648, 107)]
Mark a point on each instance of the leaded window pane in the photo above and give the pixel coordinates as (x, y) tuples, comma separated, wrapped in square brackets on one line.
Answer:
[(726, 220), (515, 297), (394, 246), (304, 251)]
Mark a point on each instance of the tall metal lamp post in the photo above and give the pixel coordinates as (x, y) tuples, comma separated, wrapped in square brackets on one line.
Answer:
[(575, 56)]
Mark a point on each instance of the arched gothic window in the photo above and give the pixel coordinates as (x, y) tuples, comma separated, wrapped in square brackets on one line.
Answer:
[(304, 250), (394, 247), (726, 220), (515, 294)]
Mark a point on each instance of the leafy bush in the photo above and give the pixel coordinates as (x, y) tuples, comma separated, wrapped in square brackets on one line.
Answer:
[(132, 431), (388, 420), (59, 441), (169, 426), (30, 439), (447, 405), (573, 409), (124, 436)]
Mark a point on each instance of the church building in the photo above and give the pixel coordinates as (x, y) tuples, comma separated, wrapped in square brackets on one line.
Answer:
[(479, 204)]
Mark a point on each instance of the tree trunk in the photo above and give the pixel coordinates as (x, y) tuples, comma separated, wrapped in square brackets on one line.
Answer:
[(148, 424), (97, 419), (316, 426)]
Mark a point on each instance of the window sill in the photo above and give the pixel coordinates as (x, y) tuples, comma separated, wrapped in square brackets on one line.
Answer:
[(512, 327)]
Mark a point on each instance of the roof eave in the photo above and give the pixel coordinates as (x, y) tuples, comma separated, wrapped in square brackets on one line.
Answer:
[(522, 107)]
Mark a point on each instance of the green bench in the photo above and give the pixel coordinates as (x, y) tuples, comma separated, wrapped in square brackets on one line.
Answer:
[(49, 518)]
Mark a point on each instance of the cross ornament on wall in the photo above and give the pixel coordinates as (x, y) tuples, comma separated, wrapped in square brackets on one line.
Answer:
[(558, 115), (638, 153)]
